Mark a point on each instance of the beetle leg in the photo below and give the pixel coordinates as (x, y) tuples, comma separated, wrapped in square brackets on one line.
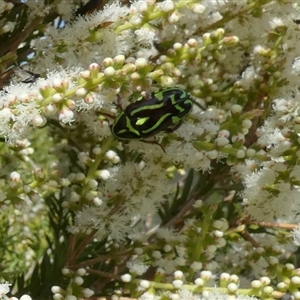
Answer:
[(154, 142), (119, 103), (170, 130)]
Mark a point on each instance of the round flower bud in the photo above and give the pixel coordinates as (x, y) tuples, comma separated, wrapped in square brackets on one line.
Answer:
[(25, 297), (65, 271), (145, 284), (87, 293), (240, 154), (56, 296), (177, 46), (206, 275), (97, 201), (109, 71), (234, 278), (268, 290), (290, 266), (178, 274), (265, 280), (141, 62), (39, 121), (295, 280), (78, 280), (196, 266), (56, 289), (177, 283), (92, 67), (81, 271), (236, 108), (198, 8), (156, 254), (232, 287), (167, 5), (80, 92), (57, 97), (119, 59), (126, 278), (282, 286), (199, 282), (174, 18), (256, 284), (168, 248), (103, 174)]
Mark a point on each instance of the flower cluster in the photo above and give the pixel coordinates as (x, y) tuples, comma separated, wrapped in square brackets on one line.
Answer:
[(215, 190)]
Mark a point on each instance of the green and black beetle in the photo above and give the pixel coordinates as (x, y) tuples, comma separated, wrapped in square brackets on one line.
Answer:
[(163, 111)]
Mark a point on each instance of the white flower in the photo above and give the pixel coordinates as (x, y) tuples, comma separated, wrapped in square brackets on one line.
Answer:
[(296, 65), (276, 22), (25, 297), (170, 235), (139, 6), (4, 289), (137, 267)]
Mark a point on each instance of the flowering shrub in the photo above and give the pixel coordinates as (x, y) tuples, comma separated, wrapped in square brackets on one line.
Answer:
[(205, 210)]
